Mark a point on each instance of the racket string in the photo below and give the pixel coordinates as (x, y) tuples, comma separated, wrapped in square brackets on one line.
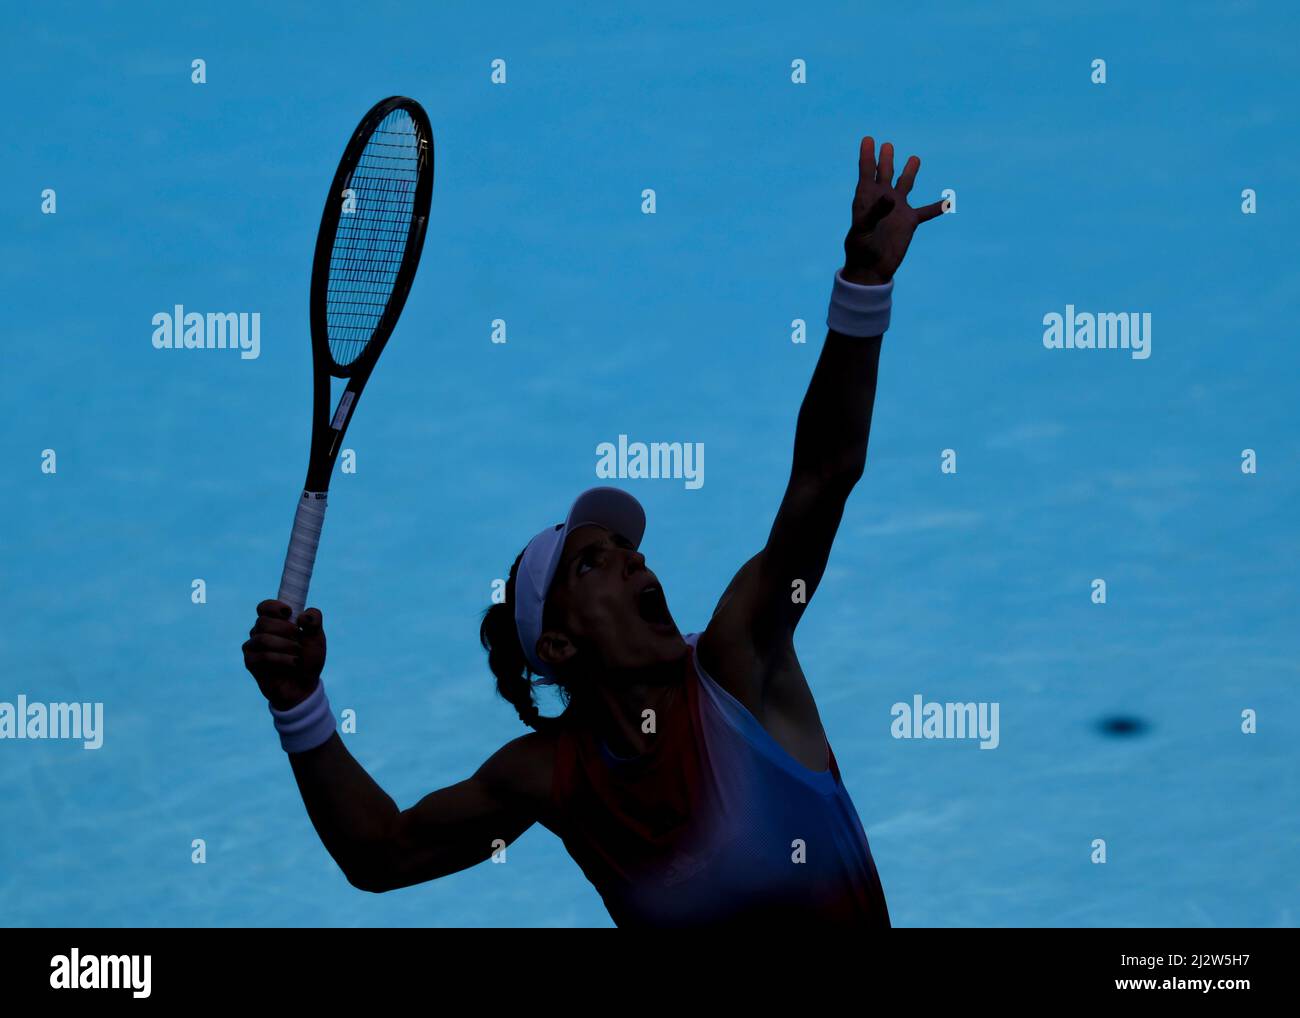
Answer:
[(370, 242)]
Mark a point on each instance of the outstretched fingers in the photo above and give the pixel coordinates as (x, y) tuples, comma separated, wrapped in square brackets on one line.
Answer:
[(885, 165), (878, 169), (867, 160), (932, 211), (908, 177)]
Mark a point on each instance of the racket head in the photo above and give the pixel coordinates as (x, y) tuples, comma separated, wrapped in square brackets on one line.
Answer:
[(371, 236)]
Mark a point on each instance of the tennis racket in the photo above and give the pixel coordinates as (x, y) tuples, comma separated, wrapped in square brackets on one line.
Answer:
[(367, 250)]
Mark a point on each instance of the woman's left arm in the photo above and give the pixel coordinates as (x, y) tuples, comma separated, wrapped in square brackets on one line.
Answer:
[(767, 598)]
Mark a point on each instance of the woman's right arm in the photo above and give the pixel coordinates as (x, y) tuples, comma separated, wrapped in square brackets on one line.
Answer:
[(377, 846), (381, 848)]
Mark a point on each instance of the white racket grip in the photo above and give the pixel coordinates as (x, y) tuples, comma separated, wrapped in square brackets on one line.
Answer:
[(301, 558)]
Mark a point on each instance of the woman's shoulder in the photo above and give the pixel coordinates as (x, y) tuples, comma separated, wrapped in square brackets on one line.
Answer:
[(524, 768)]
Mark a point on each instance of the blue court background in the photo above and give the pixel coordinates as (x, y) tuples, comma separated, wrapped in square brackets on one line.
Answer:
[(673, 327)]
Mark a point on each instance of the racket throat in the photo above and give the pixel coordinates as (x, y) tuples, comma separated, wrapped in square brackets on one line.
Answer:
[(339, 424), (343, 411)]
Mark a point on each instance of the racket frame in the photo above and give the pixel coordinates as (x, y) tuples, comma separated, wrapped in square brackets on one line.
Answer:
[(328, 429)]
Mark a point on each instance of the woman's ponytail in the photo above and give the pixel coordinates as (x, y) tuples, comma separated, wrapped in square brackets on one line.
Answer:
[(506, 658)]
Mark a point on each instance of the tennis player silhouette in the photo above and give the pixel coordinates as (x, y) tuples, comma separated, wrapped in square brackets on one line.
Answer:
[(688, 775)]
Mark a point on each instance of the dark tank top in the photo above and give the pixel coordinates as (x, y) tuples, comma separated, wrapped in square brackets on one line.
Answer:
[(715, 825)]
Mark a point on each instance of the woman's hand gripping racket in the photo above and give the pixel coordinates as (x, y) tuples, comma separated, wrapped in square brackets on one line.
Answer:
[(367, 250)]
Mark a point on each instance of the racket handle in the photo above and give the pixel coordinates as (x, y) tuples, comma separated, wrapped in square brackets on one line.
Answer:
[(301, 558)]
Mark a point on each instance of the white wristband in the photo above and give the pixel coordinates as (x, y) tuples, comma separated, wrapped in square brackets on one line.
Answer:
[(858, 310), (305, 725)]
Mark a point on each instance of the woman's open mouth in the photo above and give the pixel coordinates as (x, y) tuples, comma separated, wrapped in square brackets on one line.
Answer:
[(652, 606)]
